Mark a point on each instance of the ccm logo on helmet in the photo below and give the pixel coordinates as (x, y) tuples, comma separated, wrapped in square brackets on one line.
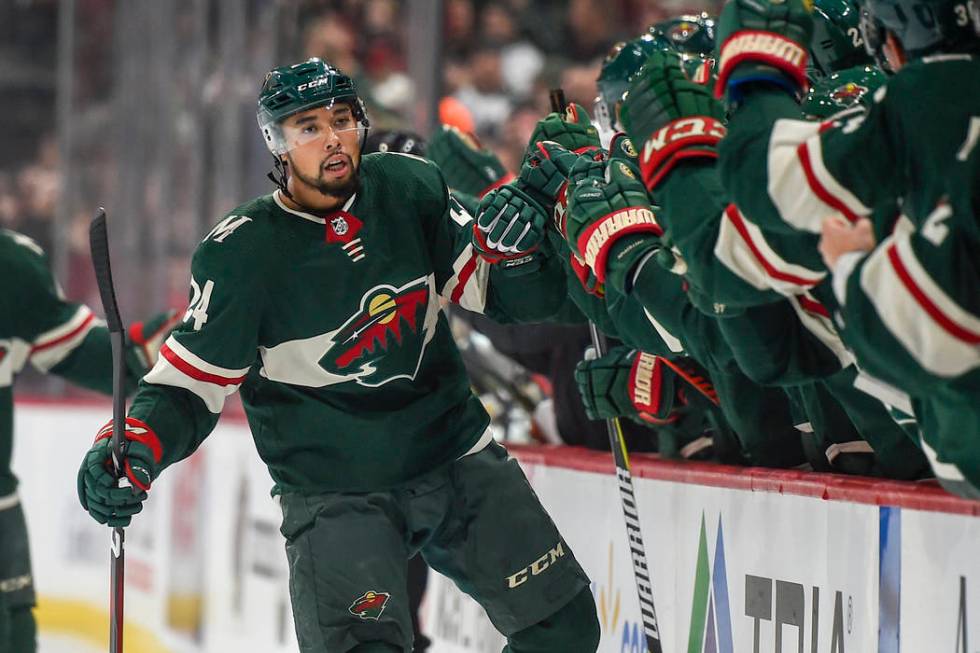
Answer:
[(316, 82)]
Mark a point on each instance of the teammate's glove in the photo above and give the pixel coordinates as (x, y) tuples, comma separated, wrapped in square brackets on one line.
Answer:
[(626, 383), (669, 117), (146, 338), (572, 130), (509, 225), (98, 488), (465, 164), (763, 41), (610, 225)]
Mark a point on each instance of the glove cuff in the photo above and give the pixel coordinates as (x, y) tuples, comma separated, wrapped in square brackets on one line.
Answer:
[(583, 273), (761, 47), (141, 440), (689, 137), (136, 431), (596, 241), (506, 179), (645, 389)]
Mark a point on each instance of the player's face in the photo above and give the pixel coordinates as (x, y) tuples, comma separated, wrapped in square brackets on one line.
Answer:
[(325, 150)]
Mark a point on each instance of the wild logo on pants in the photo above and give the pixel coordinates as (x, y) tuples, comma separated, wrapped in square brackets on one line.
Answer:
[(369, 605)]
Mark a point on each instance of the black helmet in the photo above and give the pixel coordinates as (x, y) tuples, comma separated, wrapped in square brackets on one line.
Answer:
[(393, 140)]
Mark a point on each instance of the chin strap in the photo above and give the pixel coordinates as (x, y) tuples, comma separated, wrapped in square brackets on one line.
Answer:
[(281, 177)]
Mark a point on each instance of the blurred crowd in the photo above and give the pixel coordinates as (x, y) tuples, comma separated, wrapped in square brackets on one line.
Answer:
[(499, 61)]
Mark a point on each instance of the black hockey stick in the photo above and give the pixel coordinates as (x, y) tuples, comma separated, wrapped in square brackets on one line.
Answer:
[(641, 572), (99, 244)]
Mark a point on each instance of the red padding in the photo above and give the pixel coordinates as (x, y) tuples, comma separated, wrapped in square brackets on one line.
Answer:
[(926, 495)]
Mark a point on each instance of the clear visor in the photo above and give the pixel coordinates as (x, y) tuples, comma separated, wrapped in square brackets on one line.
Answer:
[(312, 128), (603, 122)]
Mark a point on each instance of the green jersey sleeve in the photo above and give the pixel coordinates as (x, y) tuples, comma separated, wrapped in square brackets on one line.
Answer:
[(53, 334), (910, 309), (788, 174), (466, 279), (208, 356)]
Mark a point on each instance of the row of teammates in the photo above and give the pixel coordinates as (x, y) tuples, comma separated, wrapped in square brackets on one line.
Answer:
[(789, 262), (775, 212)]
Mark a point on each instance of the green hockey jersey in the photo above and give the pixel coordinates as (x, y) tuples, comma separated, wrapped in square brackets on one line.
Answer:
[(39, 326), (332, 329), (855, 165)]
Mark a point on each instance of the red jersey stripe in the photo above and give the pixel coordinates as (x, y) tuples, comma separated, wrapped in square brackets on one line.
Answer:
[(803, 153), (68, 336), (927, 304), (195, 373), (736, 218), (464, 277)]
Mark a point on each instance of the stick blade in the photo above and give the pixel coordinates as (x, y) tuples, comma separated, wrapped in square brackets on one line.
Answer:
[(98, 238)]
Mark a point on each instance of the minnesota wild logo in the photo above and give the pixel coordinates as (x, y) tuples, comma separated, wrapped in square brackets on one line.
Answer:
[(369, 605), (683, 31), (848, 94), (384, 338)]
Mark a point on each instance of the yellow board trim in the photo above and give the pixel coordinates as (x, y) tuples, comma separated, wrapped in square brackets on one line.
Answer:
[(90, 623)]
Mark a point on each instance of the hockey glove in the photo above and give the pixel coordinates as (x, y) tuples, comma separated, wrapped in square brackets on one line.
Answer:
[(610, 225), (98, 488), (626, 383), (670, 118), (549, 172), (465, 164), (145, 340), (763, 41), (509, 225), (572, 130)]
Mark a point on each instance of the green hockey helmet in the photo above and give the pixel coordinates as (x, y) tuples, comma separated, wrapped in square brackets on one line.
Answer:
[(623, 61), (692, 34), (836, 43), (842, 90), (289, 90), (922, 27)]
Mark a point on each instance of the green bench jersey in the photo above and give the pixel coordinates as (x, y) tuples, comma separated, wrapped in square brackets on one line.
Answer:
[(332, 329), (38, 326), (898, 155)]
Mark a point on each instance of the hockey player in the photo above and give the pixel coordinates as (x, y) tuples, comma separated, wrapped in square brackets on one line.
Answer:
[(320, 303), (671, 325), (911, 313), (790, 342), (39, 326), (901, 154)]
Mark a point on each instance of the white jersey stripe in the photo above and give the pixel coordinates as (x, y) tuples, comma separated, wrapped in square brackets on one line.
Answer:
[(468, 284), (791, 190), (743, 249), (213, 395), (925, 339), (195, 361), (673, 344), (838, 191), (53, 346)]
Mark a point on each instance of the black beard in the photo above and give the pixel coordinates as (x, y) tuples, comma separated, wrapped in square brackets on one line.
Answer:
[(336, 189)]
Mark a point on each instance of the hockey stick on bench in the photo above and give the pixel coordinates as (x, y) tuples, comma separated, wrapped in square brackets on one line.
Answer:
[(634, 534), (99, 245)]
